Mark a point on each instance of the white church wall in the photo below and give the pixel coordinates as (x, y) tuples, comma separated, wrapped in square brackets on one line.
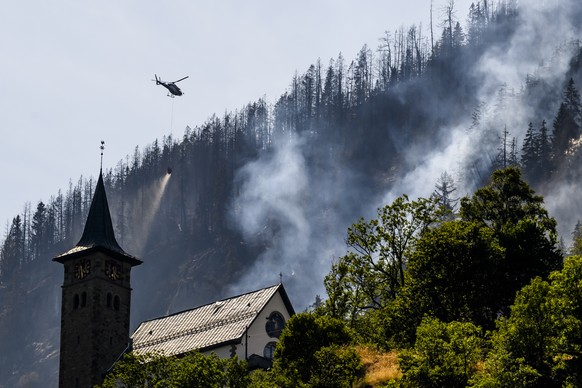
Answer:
[(258, 337)]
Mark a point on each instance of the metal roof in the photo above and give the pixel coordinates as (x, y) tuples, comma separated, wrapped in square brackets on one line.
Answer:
[(98, 233), (204, 327)]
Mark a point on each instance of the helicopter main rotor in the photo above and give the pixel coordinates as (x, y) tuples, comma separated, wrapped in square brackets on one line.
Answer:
[(173, 89)]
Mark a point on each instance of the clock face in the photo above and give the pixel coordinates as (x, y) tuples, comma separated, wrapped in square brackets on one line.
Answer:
[(112, 270), (82, 269), (275, 324)]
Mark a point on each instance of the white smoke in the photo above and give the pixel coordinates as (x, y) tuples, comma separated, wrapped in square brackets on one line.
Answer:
[(294, 211), (302, 215), (535, 50), (502, 71), (275, 188), (421, 181)]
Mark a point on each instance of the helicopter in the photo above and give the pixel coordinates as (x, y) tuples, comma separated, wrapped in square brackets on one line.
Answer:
[(171, 86)]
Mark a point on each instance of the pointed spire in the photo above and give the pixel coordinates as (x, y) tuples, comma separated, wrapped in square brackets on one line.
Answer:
[(99, 227), (98, 232)]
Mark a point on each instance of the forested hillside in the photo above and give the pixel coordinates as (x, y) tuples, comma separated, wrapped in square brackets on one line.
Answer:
[(271, 188)]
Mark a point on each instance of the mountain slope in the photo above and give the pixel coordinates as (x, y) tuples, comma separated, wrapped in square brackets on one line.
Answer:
[(270, 190)]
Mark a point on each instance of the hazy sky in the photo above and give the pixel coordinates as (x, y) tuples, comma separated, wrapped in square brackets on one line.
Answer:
[(75, 73)]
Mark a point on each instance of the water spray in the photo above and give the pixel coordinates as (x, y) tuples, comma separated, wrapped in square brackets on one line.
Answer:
[(155, 193)]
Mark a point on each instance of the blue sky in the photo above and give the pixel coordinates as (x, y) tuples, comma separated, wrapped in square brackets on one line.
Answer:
[(75, 73)]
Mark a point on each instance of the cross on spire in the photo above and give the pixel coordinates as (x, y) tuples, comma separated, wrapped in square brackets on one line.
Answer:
[(102, 148)]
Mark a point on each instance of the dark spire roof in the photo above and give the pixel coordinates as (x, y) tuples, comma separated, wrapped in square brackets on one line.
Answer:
[(98, 233)]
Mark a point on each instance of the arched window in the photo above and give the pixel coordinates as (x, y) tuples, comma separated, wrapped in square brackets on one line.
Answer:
[(83, 299), (275, 324), (76, 301), (109, 299), (116, 303), (269, 350)]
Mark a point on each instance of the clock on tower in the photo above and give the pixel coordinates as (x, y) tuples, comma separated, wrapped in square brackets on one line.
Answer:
[(96, 296)]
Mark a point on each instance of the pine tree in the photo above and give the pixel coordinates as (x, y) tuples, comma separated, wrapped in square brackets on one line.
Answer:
[(458, 36), (572, 101), (529, 152), (477, 23), (361, 77), (12, 250), (444, 191), (50, 233), (504, 151), (38, 238), (512, 159), (567, 124), (544, 151), (384, 62)]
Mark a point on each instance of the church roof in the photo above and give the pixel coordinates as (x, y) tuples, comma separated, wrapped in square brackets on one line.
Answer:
[(98, 233), (206, 327)]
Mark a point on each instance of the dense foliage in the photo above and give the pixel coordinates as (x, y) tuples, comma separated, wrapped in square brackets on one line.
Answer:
[(539, 343), (313, 351), (461, 277), (191, 370), (310, 348), (372, 273), (444, 354), (466, 269)]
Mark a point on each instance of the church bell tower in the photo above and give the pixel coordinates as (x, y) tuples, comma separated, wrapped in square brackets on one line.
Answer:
[(96, 296)]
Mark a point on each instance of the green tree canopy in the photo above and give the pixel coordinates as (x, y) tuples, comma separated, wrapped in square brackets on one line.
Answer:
[(520, 224), (299, 354), (468, 269), (454, 268), (444, 195), (192, 370), (567, 123), (444, 355), (336, 366), (372, 272), (521, 345), (540, 343)]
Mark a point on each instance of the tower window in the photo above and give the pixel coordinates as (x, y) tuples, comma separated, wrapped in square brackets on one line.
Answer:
[(116, 303), (109, 299), (76, 301), (83, 299)]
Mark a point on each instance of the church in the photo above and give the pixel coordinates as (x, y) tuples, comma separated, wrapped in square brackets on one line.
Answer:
[(95, 311)]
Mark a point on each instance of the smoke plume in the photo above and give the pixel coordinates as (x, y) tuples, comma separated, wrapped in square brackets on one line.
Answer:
[(301, 210)]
